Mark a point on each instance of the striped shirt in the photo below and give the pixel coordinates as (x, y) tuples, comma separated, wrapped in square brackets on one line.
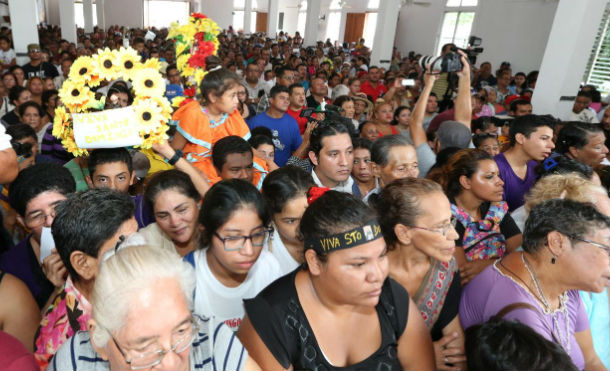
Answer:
[(214, 348)]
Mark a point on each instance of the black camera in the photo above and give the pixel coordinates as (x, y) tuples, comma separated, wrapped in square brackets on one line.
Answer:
[(451, 61)]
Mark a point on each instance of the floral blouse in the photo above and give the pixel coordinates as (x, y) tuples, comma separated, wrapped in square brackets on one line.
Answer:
[(69, 313)]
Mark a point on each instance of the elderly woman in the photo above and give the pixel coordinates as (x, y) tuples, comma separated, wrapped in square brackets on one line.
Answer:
[(142, 320), (566, 245), (416, 221), (582, 142), (341, 311)]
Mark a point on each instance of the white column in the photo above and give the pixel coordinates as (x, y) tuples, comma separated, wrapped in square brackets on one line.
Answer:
[(247, 17), (66, 20), (88, 15), (272, 18), (101, 15), (385, 32), (311, 24), (24, 19), (566, 55)]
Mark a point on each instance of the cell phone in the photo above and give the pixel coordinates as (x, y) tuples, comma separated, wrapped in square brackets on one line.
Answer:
[(408, 82)]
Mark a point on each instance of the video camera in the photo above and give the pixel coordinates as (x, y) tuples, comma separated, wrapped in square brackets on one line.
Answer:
[(451, 61), (331, 113)]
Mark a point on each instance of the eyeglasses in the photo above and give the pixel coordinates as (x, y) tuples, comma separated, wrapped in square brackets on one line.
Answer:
[(606, 248), (233, 243), (34, 221), (180, 342), (444, 230)]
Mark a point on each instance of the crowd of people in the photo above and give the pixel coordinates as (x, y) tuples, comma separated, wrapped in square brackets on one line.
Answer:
[(309, 211)]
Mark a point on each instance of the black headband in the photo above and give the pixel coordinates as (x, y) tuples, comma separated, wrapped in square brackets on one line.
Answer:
[(345, 240)]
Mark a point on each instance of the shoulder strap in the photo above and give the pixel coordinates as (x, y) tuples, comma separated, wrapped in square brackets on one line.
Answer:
[(510, 307)]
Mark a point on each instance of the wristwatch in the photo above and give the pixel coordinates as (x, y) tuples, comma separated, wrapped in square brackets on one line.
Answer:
[(172, 161)]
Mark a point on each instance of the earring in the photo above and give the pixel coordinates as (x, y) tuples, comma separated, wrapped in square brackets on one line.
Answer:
[(553, 260)]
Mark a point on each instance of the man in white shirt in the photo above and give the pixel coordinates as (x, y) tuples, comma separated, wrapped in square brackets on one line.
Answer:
[(581, 111), (8, 158)]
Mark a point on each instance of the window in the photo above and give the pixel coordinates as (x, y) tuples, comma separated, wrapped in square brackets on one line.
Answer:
[(239, 14), (162, 13), (332, 27), (598, 68), (79, 16), (372, 4), (370, 24), (335, 5), (302, 17), (457, 23)]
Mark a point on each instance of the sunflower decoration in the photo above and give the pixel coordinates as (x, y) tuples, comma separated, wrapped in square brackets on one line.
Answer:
[(84, 70), (151, 110), (106, 64), (149, 115), (194, 42), (129, 62), (75, 94), (148, 83)]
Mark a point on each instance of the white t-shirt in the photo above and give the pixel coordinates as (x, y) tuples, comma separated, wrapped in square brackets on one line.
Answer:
[(276, 247), (5, 139), (213, 299), (7, 56)]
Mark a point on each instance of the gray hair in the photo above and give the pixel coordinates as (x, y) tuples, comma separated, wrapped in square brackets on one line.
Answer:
[(380, 153), (126, 272)]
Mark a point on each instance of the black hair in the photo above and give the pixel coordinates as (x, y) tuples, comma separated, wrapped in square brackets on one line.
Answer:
[(222, 200), (527, 124), (107, 155), (5, 38), (294, 86), (261, 130), (570, 218), (380, 152), (504, 345), (482, 123), (218, 82), (477, 139), (362, 143), (574, 134), (397, 112), (226, 146), (46, 96), (38, 179), (15, 93), (120, 87), (333, 212), (279, 72), (276, 89), (170, 179), (87, 220), (560, 164), (518, 102), (326, 128), (463, 163), (284, 184), (342, 99), (257, 140), (584, 93), (21, 131), (21, 109)]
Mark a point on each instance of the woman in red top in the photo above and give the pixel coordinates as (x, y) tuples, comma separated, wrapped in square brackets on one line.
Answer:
[(384, 114)]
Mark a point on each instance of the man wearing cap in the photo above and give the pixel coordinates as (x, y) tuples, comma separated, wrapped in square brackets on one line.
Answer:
[(37, 67)]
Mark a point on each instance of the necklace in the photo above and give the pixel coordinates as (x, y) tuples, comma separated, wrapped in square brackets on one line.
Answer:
[(562, 338), (213, 123)]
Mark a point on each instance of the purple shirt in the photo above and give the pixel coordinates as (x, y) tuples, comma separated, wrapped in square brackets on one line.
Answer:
[(491, 291), (514, 187)]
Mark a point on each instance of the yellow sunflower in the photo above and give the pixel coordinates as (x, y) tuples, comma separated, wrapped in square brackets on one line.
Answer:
[(153, 63), (75, 95), (149, 115), (107, 64), (71, 146), (177, 100), (199, 75), (61, 121), (156, 136), (166, 107), (84, 70), (129, 62), (148, 82)]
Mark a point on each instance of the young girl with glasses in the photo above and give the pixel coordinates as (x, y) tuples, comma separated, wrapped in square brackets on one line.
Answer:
[(231, 263)]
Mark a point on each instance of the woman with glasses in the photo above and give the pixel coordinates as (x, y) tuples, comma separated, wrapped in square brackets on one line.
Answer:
[(565, 249), (486, 230), (142, 320), (417, 224), (341, 311), (231, 263)]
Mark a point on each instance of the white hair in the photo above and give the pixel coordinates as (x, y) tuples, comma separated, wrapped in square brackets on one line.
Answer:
[(125, 273)]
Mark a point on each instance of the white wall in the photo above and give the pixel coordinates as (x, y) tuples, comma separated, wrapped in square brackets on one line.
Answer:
[(219, 10), (128, 13), (52, 7), (513, 30)]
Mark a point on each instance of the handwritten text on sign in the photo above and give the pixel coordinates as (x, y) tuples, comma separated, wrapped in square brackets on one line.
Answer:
[(106, 129)]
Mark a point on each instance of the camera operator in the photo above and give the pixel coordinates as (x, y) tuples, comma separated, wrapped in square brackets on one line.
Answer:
[(445, 85), (426, 157)]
